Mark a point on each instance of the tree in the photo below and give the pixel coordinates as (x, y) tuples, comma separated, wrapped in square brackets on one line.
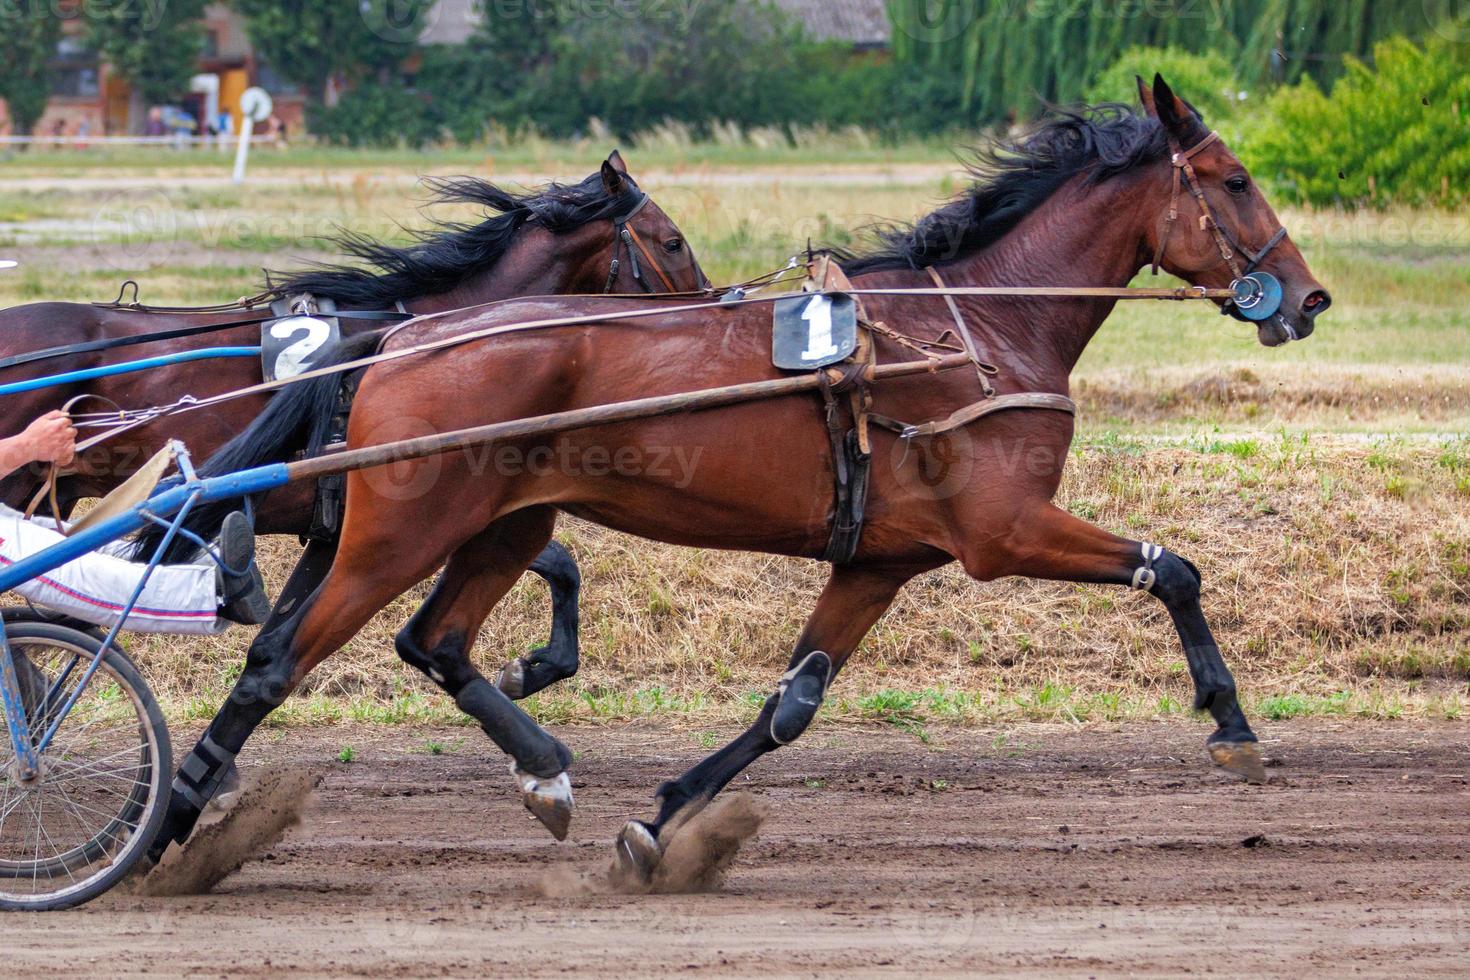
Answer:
[(29, 30), (318, 44), (634, 65), (1003, 57), (153, 47), (1397, 132)]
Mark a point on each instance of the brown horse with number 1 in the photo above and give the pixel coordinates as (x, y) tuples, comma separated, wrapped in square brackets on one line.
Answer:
[(1084, 200)]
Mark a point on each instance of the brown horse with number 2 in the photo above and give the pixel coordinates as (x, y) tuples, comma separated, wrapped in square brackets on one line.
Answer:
[(1081, 201)]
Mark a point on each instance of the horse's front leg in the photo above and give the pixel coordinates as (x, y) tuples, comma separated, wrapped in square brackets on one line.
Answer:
[(1050, 543), (853, 600)]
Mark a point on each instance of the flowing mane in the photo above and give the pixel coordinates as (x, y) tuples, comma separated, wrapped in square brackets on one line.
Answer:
[(1013, 177), (441, 258)]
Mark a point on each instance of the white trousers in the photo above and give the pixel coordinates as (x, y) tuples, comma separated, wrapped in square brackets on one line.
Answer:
[(95, 587)]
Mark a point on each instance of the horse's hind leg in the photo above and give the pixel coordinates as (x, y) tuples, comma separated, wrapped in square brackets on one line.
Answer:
[(289, 647), (558, 660), (852, 602), (1052, 544), (437, 640)]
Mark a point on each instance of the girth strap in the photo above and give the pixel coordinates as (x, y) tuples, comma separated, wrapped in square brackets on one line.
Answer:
[(972, 413)]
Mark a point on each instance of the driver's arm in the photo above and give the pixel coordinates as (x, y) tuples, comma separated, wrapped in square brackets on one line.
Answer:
[(49, 439)]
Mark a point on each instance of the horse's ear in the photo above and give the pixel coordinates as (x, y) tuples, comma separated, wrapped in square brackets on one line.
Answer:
[(1146, 97), (1171, 110), (612, 179), (616, 159)]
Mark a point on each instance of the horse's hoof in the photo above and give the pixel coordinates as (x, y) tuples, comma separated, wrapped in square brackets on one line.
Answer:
[(549, 800), (228, 794), (638, 852), (1241, 758), (512, 679)]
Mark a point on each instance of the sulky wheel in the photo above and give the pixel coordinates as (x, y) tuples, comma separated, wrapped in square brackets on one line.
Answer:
[(77, 828)]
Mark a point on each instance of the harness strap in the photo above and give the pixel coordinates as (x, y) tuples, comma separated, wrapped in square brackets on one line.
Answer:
[(113, 343), (1179, 160), (1229, 247), (1260, 256), (631, 235), (87, 347), (976, 411), (982, 369)]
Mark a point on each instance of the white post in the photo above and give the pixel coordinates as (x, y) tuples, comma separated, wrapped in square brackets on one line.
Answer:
[(255, 106), (247, 125)]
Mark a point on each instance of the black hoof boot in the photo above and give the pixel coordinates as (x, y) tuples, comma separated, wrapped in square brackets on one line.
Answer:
[(799, 696)]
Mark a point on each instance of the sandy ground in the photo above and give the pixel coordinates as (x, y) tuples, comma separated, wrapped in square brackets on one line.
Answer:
[(1035, 850)]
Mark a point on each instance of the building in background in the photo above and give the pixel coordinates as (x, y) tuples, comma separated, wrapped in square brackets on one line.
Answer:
[(861, 23), (88, 99)]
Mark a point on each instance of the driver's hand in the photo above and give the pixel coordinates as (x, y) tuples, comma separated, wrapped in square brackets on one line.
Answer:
[(52, 438)]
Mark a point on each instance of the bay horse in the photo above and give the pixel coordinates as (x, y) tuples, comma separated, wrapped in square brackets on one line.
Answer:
[(1085, 199), (559, 239)]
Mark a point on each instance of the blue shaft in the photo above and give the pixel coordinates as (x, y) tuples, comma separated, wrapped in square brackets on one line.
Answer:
[(122, 620), (127, 367), (163, 504)]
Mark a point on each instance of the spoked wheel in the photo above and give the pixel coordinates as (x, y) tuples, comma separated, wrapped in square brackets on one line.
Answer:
[(80, 826)]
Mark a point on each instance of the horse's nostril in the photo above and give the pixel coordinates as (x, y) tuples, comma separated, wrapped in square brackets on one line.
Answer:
[(1316, 301)]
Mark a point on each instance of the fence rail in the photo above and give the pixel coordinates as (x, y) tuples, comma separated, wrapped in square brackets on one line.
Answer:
[(73, 141)]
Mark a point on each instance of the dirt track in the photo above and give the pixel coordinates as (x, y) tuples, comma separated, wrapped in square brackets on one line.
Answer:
[(1040, 850)]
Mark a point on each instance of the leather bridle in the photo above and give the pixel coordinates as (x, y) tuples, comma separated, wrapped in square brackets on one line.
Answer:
[(628, 242), (1247, 286)]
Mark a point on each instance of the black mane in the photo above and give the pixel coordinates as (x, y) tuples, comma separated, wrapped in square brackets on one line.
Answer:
[(1013, 177), (443, 257)]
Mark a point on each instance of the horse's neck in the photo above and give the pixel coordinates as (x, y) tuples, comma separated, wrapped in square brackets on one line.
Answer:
[(537, 263), (1082, 236)]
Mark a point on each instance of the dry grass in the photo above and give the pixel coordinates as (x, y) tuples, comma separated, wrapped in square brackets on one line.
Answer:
[(1337, 579)]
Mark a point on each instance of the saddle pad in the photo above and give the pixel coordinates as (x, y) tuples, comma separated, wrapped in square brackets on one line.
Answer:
[(813, 330)]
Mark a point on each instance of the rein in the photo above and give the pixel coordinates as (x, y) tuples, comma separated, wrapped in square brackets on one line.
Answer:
[(113, 343), (189, 403)]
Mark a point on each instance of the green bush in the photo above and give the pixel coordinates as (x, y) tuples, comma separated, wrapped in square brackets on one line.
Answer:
[(377, 114), (1396, 132), (1207, 80)]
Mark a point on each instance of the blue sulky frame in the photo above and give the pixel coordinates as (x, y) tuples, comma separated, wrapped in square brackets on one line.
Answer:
[(169, 508), (126, 367)]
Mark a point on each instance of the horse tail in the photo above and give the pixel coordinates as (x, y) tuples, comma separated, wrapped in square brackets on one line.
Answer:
[(297, 419)]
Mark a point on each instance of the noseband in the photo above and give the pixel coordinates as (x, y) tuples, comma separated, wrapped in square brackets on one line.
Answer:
[(1258, 295), (628, 242)]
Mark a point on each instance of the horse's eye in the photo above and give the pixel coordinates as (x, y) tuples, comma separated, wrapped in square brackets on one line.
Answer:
[(674, 245), (1237, 185)]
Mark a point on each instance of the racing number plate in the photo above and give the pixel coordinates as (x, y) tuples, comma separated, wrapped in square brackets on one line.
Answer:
[(813, 330), (291, 346)]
